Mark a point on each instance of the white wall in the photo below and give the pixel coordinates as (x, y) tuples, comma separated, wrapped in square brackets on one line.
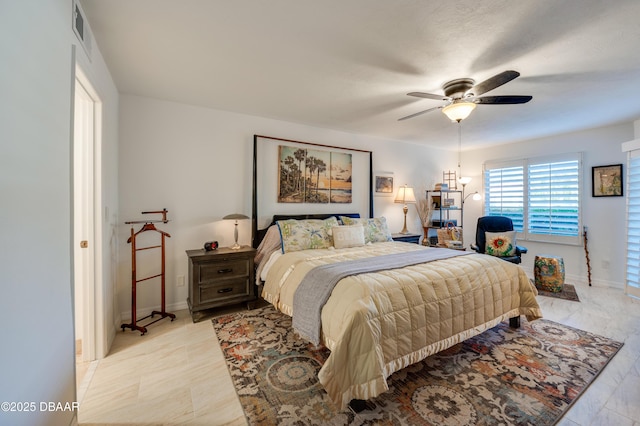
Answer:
[(197, 163), (38, 356), (37, 331), (604, 216)]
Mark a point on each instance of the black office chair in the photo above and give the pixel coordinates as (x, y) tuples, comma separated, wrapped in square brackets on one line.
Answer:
[(495, 224)]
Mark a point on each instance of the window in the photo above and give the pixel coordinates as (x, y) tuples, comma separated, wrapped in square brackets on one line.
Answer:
[(633, 224), (541, 196), (504, 193)]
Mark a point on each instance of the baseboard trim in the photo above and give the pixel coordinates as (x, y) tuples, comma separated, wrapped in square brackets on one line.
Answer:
[(143, 312), (584, 281)]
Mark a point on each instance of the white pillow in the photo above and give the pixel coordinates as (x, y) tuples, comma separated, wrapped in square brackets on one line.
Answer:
[(375, 230), (348, 236)]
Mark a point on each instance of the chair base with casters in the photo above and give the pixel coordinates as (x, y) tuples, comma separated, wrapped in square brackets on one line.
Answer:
[(495, 224)]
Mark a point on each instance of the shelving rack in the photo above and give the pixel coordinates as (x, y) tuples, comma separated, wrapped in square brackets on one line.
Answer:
[(446, 213)]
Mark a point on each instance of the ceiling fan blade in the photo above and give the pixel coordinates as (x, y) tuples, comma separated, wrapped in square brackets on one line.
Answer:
[(494, 82), (503, 100), (419, 113), (429, 96)]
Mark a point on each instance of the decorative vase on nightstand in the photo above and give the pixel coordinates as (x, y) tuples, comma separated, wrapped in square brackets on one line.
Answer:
[(425, 240)]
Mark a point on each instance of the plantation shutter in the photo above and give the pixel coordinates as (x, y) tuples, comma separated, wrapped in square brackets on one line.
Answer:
[(554, 198), (504, 192), (541, 196), (633, 224)]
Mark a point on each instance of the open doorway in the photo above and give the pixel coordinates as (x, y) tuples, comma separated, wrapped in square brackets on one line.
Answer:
[(86, 241)]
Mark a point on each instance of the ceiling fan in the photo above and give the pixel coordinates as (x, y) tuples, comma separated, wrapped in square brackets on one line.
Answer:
[(462, 96)]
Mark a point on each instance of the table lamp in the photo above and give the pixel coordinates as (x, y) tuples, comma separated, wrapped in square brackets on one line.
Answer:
[(405, 196), (236, 217)]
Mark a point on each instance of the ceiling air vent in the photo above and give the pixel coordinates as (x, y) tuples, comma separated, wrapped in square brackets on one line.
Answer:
[(81, 28)]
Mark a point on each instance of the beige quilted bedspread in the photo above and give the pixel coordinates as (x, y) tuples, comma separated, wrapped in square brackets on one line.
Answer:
[(380, 322)]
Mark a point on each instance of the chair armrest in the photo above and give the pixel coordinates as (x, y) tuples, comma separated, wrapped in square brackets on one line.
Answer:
[(521, 250)]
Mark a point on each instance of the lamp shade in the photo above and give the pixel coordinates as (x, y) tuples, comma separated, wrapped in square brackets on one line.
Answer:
[(475, 196), (235, 216), (458, 111), (464, 180), (405, 195)]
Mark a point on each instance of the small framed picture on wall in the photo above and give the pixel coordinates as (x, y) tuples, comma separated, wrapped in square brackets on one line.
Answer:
[(606, 181), (383, 184)]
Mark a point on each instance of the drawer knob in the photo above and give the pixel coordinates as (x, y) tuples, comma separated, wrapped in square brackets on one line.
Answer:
[(225, 290), (225, 271)]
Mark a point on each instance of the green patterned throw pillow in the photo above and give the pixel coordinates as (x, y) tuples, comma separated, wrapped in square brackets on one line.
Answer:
[(306, 234)]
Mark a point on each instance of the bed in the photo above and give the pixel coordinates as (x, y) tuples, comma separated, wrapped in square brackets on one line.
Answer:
[(381, 320)]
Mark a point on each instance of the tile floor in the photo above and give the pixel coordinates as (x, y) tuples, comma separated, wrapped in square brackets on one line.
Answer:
[(176, 374)]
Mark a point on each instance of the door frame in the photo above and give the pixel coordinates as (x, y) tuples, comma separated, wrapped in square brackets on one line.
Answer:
[(93, 330)]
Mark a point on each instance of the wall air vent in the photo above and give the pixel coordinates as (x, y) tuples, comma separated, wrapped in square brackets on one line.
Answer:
[(81, 28)]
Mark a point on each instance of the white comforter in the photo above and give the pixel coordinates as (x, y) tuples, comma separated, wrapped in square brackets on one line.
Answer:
[(380, 322)]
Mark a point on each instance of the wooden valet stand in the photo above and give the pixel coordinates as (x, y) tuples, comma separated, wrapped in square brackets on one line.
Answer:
[(148, 225)]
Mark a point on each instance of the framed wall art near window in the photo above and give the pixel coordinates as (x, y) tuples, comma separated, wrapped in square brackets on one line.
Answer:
[(606, 181), (383, 184)]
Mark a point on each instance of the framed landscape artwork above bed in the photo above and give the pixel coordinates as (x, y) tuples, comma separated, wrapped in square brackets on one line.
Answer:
[(296, 177), (314, 175)]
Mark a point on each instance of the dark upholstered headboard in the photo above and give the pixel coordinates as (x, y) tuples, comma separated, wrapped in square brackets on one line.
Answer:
[(261, 232)]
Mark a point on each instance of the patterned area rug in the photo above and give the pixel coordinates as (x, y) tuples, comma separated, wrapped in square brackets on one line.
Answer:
[(568, 293), (528, 376)]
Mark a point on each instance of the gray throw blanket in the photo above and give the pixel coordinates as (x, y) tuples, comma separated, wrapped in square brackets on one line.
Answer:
[(316, 287)]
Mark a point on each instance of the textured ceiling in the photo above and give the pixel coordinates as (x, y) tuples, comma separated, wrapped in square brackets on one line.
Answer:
[(348, 64)]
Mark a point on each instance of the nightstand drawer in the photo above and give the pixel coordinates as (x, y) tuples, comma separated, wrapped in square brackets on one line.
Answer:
[(214, 271), (224, 290)]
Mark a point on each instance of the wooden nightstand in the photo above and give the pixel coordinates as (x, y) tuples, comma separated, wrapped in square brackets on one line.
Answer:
[(219, 278), (407, 238)]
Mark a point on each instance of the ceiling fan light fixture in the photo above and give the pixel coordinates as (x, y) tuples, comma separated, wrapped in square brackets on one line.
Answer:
[(459, 91), (458, 111)]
